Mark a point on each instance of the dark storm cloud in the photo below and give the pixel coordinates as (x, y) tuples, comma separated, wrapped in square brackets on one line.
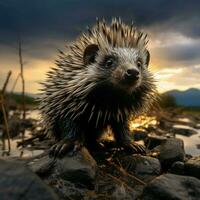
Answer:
[(44, 25), (180, 54), (65, 18), (183, 52)]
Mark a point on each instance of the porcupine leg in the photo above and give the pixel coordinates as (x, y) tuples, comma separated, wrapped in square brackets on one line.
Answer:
[(91, 140), (65, 146), (123, 139), (71, 142)]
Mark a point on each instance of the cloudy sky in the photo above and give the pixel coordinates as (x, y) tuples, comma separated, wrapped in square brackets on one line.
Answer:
[(47, 25)]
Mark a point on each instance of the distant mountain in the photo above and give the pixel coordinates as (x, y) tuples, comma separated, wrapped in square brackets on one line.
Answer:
[(190, 97)]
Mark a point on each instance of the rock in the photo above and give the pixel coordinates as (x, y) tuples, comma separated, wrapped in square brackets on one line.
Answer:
[(18, 182), (187, 156), (154, 140), (42, 166), (192, 167), (197, 126), (183, 130), (178, 168), (170, 151), (68, 190), (171, 186), (143, 167), (164, 124), (71, 177), (79, 168), (198, 146), (109, 187)]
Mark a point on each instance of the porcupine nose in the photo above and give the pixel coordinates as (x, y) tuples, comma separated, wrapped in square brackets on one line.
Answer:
[(132, 74)]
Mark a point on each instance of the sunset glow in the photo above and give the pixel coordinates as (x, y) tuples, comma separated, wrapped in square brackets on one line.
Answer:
[(174, 41)]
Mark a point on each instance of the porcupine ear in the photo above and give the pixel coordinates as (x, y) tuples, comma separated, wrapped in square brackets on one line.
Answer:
[(147, 58), (90, 54)]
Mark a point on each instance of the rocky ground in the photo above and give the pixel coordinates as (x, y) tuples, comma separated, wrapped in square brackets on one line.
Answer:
[(165, 172)]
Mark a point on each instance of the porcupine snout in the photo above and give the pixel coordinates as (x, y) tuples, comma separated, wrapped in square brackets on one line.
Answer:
[(132, 74)]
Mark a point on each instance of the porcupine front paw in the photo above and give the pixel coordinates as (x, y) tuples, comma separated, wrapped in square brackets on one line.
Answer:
[(134, 148), (63, 147)]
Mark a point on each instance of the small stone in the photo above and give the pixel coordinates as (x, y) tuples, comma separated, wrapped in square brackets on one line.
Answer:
[(170, 186), (178, 168), (71, 176), (143, 167), (183, 130), (154, 140), (68, 190), (192, 166), (108, 187), (170, 151), (79, 168), (42, 165)]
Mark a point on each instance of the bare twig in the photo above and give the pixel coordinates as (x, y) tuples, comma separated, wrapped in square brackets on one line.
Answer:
[(6, 83), (23, 83), (6, 123), (125, 173), (4, 111), (15, 83), (22, 78), (119, 181)]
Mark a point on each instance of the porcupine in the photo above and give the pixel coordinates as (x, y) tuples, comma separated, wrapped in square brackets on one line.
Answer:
[(100, 81)]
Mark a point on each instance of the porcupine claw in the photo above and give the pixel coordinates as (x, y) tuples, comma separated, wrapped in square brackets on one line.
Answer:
[(63, 147), (134, 148)]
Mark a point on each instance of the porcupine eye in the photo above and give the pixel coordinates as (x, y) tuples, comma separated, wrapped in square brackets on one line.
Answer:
[(139, 63), (109, 62)]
